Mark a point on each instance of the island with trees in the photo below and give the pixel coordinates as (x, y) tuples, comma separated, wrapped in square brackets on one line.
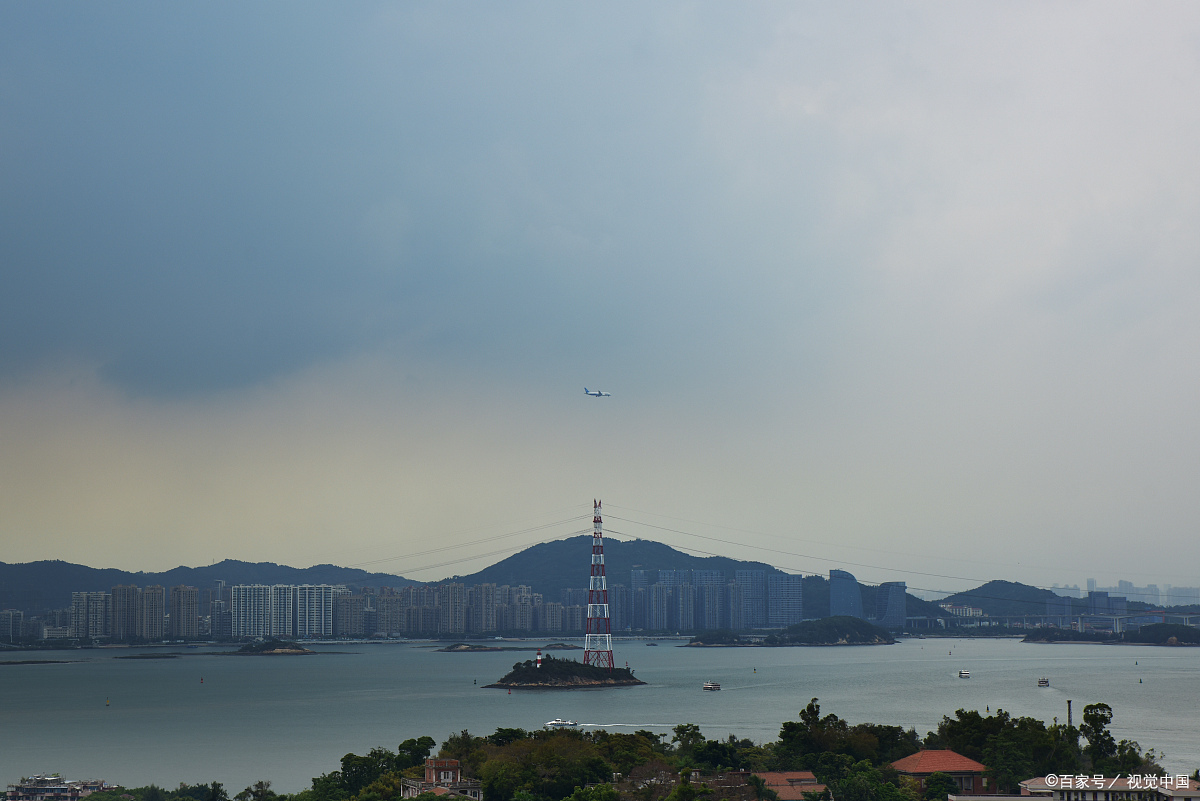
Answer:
[(563, 674), (826, 631)]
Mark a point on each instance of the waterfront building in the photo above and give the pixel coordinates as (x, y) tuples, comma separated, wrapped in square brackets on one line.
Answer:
[(453, 611), (845, 596), (710, 609), (685, 608), (185, 613), (659, 611), (91, 614), (125, 600), (11, 623), (891, 604), (52, 788), (250, 612), (348, 617), (314, 610), (620, 607), (152, 613), (785, 600), (754, 597)]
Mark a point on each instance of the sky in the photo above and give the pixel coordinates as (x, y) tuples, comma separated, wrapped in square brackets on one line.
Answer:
[(911, 289)]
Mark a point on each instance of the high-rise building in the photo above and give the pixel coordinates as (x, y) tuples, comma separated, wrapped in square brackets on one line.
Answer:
[(785, 600), (845, 596), (91, 614), (710, 606), (125, 600), (658, 616), (185, 613), (453, 612), (891, 604), (348, 617), (11, 623), (282, 611), (754, 597), (620, 607), (685, 608), (314, 610), (250, 610), (152, 613)]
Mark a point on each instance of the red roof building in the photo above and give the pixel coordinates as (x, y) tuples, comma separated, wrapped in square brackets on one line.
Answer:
[(967, 773)]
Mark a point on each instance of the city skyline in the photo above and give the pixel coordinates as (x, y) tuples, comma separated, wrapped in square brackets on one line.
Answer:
[(913, 289)]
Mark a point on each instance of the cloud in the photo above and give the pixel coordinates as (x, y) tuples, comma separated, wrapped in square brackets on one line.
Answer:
[(923, 274)]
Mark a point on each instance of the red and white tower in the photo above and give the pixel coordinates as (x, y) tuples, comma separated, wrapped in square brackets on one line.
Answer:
[(597, 643)]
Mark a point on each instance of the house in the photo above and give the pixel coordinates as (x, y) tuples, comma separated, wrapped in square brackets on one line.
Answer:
[(791, 785), (442, 777), (967, 773), (52, 788)]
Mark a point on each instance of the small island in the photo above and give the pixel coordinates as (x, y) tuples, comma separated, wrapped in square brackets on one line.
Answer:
[(1169, 634), (271, 647), (472, 648), (563, 674), (826, 631)]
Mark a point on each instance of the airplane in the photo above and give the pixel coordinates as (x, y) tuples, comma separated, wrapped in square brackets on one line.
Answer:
[(599, 393)]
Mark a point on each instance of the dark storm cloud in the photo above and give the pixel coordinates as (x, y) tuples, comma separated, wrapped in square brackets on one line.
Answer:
[(204, 197)]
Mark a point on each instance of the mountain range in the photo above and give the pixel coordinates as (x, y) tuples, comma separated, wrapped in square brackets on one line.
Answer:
[(37, 586)]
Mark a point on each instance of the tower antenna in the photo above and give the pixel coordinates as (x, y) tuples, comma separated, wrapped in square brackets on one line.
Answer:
[(597, 643)]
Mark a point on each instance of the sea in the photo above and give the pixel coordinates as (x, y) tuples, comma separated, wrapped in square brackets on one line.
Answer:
[(204, 717)]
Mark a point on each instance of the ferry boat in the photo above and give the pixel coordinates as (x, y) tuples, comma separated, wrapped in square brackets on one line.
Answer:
[(964, 674), (1043, 682), (711, 685), (559, 723)]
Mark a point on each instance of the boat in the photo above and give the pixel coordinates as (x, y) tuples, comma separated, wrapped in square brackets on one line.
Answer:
[(651, 643), (711, 685), (964, 674), (559, 723), (1043, 682)]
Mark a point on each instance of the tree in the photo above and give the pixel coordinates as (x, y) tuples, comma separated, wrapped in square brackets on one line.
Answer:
[(761, 791), (1101, 746), (414, 752), (687, 737), (938, 786)]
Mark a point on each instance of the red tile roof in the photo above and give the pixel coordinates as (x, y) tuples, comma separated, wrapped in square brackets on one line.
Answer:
[(923, 763), (791, 785)]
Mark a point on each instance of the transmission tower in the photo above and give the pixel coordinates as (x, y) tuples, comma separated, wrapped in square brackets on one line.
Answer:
[(597, 643)]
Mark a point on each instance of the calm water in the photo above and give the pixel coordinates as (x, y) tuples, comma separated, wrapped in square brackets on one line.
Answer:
[(288, 719)]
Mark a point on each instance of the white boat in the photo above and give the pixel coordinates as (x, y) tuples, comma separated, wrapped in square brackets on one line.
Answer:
[(711, 685), (559, 723), (1043, 682), (964, 674)]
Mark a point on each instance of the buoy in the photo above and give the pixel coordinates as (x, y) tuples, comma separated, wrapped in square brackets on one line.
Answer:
[(473, 681), (510, 692), (1139, 681), (106, 702), (201, 679)]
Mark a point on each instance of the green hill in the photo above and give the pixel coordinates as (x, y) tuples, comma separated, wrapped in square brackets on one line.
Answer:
[(998, 598), (564, 564)]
